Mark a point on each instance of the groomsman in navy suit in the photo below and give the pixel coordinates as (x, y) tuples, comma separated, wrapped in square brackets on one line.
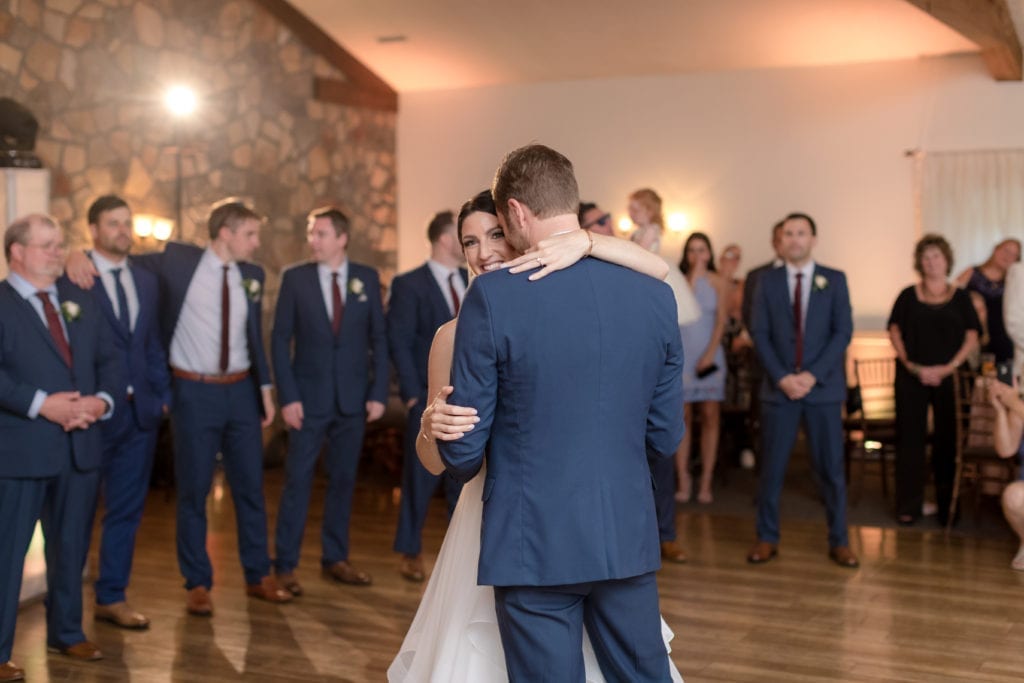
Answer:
[(330, 356), (802, 325), (210, 311), (128, 298), (58, 376), (421, 301)]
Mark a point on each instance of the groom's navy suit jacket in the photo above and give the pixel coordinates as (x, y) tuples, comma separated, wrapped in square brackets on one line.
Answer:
[(577, 379), (828, 327)]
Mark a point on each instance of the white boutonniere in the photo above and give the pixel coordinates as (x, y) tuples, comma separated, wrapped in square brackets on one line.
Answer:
[(253, 288), (356, 287), (71, 311), (820, 283)]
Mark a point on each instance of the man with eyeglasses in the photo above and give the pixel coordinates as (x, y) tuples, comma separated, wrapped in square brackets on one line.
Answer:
[(594, 218), (58, 373)]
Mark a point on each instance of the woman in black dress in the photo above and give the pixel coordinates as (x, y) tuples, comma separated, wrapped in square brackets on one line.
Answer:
[(933, 327)]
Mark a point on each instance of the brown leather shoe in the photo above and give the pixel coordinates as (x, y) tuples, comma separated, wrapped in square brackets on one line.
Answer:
[(343, 572), (288, 582), (673, 552), (267, 589), (198, 602), (762, 552), (120, 614), (10, 672), (86, 651), (412, 568), (844, 557)]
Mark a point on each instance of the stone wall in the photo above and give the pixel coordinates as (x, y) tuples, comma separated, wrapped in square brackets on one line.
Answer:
[(94, 73)]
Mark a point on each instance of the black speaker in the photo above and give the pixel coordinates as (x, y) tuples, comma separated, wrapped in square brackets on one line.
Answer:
[(18, 130)]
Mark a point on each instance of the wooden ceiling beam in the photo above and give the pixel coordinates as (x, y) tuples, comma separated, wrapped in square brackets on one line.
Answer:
[(989, 24), (362, 87)]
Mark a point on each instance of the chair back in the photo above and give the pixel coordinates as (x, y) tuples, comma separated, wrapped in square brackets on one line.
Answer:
[(875, 381)]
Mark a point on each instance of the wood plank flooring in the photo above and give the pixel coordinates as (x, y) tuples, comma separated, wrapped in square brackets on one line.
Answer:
[(921, 608)]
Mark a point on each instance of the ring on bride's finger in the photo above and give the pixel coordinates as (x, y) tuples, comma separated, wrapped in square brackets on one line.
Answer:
[(540, 261)]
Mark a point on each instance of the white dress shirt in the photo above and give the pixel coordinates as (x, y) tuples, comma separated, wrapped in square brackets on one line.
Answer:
[(195, 346), (441, 276), (105, 266), (805, 288), (28, 292), (325, 285)]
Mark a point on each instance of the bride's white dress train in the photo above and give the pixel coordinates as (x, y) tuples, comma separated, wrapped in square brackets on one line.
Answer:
[(454, 636)]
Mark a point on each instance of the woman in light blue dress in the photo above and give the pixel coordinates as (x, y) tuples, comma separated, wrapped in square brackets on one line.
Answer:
[(703, 364)]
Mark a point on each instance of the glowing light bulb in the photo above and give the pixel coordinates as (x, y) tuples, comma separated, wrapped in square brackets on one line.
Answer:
[(162, 229), (625, 225), (181, 101), (678, 222), (143, 226)]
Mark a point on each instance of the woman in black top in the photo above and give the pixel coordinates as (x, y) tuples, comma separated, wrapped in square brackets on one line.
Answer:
[(933, 327)]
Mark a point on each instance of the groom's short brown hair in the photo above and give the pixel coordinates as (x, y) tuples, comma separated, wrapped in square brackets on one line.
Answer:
[(538, 177)]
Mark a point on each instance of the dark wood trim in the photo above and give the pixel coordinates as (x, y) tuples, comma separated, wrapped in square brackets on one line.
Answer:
[(989, 24), (343, 92), (363, 88)]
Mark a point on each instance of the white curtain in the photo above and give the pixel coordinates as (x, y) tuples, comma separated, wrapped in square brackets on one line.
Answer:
[(975, 199)]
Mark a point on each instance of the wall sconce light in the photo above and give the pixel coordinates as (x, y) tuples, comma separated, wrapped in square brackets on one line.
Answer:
[(146, 226), (625, 225), (678, 222), (143, 225)]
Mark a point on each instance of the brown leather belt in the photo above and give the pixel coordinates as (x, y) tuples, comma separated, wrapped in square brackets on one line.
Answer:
[(229, 378)]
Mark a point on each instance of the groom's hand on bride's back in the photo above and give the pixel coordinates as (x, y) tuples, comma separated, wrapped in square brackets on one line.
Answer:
[(446, 422)]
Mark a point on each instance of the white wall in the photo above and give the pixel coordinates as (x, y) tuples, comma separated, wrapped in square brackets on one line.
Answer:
[(735, 151)]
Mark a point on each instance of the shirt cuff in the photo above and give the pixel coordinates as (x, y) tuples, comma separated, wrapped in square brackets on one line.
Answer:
[(110, 402), (266, 386), (37, 404)]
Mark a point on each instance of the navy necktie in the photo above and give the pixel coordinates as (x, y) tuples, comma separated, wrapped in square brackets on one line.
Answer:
[(122, 300)]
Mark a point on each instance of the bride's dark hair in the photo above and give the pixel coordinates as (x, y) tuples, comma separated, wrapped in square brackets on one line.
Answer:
[(483, 202)]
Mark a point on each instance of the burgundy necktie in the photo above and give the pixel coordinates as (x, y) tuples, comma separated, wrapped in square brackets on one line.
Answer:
[(798, 318), (56, 331), (225, 321), (455, 296), (337, 306)]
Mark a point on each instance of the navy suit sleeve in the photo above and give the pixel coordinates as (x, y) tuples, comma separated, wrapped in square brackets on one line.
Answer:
[(378, 341), (150, 262), (15, 396), (257, 353), (665, 426), (281, 341), (762, 331), (401, 331), (840, 328), (475, 378)]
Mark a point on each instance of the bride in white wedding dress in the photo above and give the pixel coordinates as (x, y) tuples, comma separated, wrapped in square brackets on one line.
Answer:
[(454, 636)]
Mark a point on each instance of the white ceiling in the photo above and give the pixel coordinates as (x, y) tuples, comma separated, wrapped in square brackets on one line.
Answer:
[(467, 43)]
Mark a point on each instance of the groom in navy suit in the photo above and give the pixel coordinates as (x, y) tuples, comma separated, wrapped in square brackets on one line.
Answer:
[(421, 301), (570, 532), (128, 298), (802, 325), (330, 355), (58, 376)]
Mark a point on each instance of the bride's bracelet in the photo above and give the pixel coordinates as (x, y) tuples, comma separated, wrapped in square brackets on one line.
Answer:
[(423, 429)]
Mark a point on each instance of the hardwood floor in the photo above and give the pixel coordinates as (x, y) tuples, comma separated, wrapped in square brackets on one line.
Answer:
[(921, 608)]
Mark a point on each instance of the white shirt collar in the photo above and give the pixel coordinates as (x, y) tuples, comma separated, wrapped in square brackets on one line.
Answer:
[(25, 288), (105, 265)]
